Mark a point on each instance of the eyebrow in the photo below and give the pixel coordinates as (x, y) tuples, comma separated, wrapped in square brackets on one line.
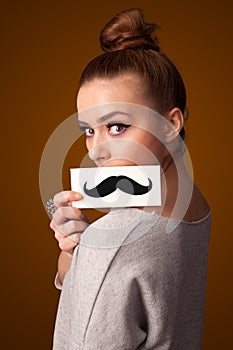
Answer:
[(103, 118)]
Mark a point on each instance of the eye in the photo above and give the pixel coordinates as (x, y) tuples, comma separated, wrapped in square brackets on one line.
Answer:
[(89, 132), (117, 128)]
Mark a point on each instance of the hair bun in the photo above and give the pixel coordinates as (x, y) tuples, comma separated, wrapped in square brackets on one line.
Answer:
[(128, 30)]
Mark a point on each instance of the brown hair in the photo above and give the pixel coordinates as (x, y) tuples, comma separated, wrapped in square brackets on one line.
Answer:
[(130, 48)]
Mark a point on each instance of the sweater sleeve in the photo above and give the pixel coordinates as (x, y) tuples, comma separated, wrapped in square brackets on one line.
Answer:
[(62, 328)]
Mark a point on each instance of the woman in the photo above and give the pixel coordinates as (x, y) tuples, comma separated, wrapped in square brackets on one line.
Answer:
[(148, 294)]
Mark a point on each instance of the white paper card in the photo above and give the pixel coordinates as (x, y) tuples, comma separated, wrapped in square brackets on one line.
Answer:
[(111, 187)]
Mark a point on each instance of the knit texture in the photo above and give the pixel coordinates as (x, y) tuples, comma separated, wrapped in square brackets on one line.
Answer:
[(145, 290)]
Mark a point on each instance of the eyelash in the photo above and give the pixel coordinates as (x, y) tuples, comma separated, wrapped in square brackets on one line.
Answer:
[(125, 126), (109, 126)]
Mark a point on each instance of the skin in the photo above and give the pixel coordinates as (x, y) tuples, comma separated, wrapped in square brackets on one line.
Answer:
[(123, 88)]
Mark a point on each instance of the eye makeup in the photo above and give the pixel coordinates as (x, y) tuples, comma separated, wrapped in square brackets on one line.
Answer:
[(117, 128), (114, 128)]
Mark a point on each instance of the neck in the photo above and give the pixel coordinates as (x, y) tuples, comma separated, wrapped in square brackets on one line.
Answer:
[(170, 183)]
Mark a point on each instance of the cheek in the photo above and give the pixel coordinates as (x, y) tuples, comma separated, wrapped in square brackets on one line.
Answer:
[(133, 151), (153, 145), (151, 142), (148, 140), (88, 144)]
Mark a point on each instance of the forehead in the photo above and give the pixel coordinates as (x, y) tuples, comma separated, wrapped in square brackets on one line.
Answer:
[(122, 88)]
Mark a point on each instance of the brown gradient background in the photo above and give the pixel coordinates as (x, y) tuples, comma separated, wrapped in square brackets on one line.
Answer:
[(44, 47)]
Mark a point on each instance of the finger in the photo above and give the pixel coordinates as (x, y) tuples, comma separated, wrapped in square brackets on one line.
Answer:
[(69, 241), (62, 198), (74, 236), (58, 235), (65, 243), (62, 214), (72, 226)]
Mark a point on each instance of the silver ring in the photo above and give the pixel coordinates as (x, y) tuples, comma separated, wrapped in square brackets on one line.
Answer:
[(50, 206)]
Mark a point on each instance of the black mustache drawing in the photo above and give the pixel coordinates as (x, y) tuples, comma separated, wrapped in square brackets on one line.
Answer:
[(124, 184)]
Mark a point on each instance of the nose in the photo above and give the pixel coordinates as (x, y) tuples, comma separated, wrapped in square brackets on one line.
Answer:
[(99, 150)]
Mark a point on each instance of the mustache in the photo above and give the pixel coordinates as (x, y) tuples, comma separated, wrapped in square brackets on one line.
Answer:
[(121, 182)]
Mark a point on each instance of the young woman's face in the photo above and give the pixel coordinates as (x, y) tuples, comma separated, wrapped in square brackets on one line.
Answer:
[(116, 140)]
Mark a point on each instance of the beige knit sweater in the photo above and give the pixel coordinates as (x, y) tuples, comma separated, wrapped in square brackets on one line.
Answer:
[(132, 286)]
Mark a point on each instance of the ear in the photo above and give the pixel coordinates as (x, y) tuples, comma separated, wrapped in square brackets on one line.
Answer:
[(175, 117)]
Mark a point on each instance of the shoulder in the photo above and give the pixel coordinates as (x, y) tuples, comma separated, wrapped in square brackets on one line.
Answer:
[(198, 208)]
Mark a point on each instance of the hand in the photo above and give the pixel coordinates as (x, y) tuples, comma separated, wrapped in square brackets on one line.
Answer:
[(68, 222)]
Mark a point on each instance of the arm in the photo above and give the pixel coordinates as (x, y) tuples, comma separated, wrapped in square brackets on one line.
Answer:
[(68, 223), (63, 265)]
